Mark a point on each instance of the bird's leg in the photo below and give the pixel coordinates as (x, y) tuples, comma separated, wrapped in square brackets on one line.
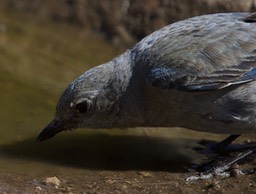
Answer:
[(225, 169), (221, 165), (221, 147), (225, 146)]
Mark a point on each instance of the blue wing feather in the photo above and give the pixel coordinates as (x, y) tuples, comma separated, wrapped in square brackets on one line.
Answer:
[(165, 78), (250, 75), (204, 53)]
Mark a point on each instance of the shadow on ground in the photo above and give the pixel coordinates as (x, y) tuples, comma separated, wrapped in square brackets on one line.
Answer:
[(107, 152)]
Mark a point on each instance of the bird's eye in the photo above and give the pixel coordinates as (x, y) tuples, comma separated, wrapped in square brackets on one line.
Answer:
[(82, 107)]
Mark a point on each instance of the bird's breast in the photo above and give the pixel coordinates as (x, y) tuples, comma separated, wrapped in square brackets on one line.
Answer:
[(231, 110)]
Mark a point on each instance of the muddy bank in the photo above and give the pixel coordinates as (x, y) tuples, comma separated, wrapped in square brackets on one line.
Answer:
[(100, 163), (124, 21)]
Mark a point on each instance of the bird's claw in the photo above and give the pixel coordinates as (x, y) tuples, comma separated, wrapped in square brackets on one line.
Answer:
[(226, 169)]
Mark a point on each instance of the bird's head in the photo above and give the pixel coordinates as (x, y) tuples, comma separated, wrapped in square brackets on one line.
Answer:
[(89, 101)]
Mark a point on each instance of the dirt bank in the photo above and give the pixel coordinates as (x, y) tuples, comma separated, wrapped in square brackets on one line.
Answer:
[(124, 21)]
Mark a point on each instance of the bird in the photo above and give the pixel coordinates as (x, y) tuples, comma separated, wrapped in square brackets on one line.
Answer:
[(198, 73)]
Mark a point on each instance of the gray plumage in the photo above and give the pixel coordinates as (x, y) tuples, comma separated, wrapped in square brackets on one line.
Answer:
[(197, 73)]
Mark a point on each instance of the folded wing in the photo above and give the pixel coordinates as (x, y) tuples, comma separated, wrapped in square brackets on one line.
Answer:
[(205, 53)]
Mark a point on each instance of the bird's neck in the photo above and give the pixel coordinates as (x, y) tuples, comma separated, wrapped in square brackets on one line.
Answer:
[(128, 85), (123, 70)]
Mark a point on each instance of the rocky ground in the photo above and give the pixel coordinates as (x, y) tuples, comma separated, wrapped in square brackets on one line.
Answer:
[(132, 181), (130, 168)]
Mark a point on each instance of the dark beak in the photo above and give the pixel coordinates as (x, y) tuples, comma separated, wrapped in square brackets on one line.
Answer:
[(51, 130)]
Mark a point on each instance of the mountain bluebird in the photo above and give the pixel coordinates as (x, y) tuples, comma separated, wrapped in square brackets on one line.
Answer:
[(198, 73)]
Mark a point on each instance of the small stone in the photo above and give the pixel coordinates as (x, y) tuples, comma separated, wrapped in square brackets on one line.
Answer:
[(145, 174), (110, 181), (235, 166), (89, 186), (39, 188), (235, 172), (69, 188), (252, 185), (53, 181), (124, 187), (128, 182), (216, 185)]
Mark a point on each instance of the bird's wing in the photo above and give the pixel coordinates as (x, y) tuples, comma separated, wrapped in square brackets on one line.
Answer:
[(204, 53)]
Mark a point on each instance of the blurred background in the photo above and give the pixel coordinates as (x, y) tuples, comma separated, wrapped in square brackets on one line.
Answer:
[(44, 45), (121, 22)]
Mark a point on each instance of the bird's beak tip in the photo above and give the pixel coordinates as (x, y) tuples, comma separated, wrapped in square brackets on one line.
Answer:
[(49, 131), (40, 138)]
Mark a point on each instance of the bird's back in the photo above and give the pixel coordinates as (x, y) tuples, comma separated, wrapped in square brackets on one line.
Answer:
[(202, 45), (195, 71)]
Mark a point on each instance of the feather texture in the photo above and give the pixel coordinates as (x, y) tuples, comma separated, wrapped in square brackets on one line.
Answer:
[(204, 54)]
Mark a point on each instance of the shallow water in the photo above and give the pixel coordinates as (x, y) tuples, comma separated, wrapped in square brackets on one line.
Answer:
[(37, 60)]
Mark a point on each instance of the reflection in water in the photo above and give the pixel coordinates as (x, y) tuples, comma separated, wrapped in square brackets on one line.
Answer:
[(106, 152)]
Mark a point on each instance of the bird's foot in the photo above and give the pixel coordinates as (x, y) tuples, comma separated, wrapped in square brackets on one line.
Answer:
[(226, 169)]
